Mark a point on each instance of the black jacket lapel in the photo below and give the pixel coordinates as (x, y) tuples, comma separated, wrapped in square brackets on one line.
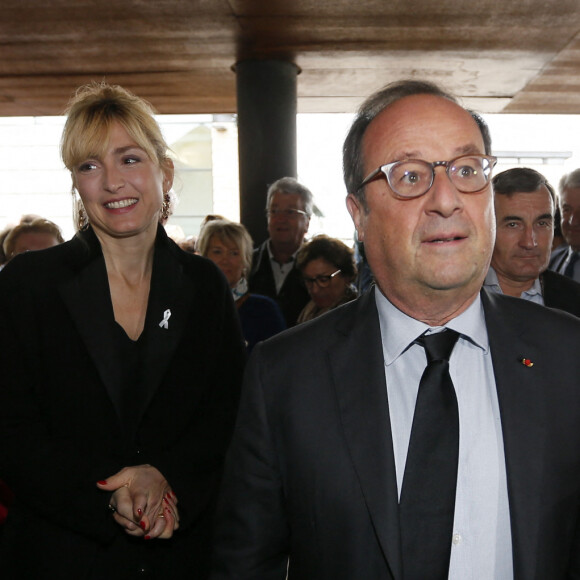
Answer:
[(170, 298), (358, 372), (523, 425), (87, 297)]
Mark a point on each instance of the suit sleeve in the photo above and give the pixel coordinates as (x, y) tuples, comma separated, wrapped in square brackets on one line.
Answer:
[(252, 539), (51, 475)]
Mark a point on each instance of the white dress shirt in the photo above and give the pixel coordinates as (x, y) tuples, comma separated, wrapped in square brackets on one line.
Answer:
[(280, 271), (481, 542)]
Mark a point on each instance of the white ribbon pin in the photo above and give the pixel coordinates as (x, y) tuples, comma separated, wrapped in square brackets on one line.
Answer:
[(165, 322)]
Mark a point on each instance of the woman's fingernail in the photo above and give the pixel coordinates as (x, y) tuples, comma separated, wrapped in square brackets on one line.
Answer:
[(166, 500), (142, 524), (139, 511), (147, 537), (102, 482)]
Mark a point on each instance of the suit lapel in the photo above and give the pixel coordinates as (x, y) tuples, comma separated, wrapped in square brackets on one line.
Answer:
[(87, 298), (170, 299), (358, 373), (523, 425)]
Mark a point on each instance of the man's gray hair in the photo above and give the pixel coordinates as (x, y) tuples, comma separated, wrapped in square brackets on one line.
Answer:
[(352, 157), (571, 179), (290, 186)]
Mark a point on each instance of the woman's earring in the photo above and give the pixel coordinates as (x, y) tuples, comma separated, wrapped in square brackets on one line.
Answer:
[(80, 216), (166, 207)]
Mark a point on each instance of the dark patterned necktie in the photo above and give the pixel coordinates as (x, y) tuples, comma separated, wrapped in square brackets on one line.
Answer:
[(427, 504)]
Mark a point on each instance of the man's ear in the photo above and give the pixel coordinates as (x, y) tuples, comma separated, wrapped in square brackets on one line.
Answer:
[(357, 213)]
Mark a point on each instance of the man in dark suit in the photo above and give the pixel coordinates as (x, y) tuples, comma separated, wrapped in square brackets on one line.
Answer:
[(524, 212), (274, 272), (316, 478), (566, 258)]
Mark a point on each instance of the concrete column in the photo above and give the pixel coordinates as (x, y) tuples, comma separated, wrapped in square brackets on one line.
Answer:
[(266, 106)]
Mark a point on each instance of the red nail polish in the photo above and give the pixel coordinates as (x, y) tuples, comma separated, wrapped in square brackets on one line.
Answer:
[(102, 482), (142, 524), (139, 511), (147, 537), (166, 500)]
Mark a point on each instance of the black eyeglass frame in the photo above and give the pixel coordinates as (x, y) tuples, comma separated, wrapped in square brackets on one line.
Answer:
[(384, 171), (321, 281)]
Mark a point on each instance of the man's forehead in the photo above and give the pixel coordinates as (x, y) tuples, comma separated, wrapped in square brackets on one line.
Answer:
[(571, 194), (402, 118), (283, 198), (521, 199)]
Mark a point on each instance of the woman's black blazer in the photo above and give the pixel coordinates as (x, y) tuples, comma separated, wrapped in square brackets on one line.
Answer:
[(60, 431)]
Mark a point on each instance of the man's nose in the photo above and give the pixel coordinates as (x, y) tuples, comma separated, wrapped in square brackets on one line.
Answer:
[(529, 238), (444, 197)]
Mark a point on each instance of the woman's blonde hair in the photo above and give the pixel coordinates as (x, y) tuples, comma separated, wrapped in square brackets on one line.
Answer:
[(228, 233), (92, 111), (90, 114)]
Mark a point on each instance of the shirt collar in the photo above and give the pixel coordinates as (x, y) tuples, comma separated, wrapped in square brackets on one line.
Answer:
[(491, 280), (403, 330), (272, 255)]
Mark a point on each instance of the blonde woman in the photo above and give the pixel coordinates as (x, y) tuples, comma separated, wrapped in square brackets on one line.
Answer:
[(121, 378), (229, 245)]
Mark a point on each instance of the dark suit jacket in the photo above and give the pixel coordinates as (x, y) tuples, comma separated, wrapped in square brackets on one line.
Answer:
[(293, 295), (560, 292), (311, 469), (558, 257), (60, 430)]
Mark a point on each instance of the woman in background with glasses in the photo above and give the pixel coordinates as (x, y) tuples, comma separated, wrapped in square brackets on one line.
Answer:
[(328, 270)]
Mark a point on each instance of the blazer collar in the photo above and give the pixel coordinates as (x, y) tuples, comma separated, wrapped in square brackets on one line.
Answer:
[(87, 297), (358, 375), (523, 429)]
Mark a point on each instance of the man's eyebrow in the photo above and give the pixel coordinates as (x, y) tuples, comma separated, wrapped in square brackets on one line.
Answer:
[(512, 218), (545, 216), (468, 149)]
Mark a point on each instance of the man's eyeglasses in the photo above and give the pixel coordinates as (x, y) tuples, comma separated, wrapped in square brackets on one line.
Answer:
[(414, 177), (289, 213), (320, 281)]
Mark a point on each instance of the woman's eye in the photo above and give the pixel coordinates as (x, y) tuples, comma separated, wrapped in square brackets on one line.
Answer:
[(131, 160), (87, 166)]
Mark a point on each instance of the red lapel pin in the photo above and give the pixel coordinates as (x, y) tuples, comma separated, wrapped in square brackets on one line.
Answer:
[(527, 362)]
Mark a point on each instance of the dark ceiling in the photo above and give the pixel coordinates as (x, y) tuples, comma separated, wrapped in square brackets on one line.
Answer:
[(499, 56)]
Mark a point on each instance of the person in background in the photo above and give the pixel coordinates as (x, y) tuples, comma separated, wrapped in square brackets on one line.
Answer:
[(565, 259), (289, 206), (3, 235), (29, 235), (524, 212), (328, 270), (229, 245), (122, 361), (429, 429), (188, 244), (558, 237)]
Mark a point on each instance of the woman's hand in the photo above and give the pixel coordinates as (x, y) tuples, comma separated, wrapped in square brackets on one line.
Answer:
[(143, 502)]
